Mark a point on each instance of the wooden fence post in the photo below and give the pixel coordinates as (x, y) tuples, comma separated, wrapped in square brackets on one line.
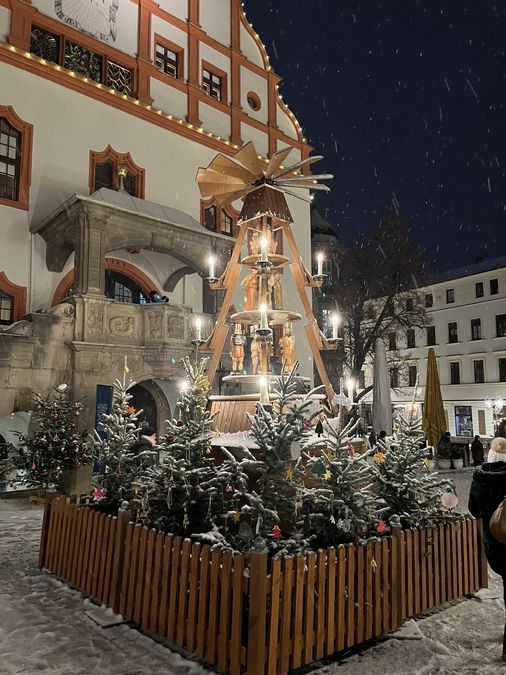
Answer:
[(45, 527), (124, 516), (398, 580), (482, 558), (257, 614)]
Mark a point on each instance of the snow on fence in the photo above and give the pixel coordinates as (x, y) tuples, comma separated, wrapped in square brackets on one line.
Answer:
[(282, 613)]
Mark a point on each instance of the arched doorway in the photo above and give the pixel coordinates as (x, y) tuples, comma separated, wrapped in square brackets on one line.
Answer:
[(151, 398)]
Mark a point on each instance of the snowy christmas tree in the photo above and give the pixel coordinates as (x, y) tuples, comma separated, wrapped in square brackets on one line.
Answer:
[(120, 468), (271, 508), (412, 496), (189, 493), (341, 503), (55, 447)]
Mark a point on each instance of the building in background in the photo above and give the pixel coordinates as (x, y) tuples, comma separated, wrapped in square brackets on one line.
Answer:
[(106, 112), (467, 311)]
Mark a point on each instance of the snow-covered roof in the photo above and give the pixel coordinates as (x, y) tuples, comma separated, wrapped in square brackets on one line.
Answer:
[(469, 270)]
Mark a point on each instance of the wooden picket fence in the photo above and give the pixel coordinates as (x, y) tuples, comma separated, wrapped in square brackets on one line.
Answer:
[(248, 612)]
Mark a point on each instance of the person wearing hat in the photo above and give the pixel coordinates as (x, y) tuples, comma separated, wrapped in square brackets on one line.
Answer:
[(146, 443), (488, 489)]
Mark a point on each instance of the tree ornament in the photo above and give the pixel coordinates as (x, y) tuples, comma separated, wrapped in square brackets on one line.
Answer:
[(186, 520), (327, 475), (351, 450), (229, 488), (381, 527), (237, 516), (319, 428), (98, 493), (245, 533), (259, 525), (425, 463), (379, 457), (295, 450), (319, 468), (289, 473), (346, 525), (449, 500), (276, 532)]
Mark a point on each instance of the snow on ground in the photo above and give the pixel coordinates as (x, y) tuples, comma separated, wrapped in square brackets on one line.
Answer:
[(45, 628), (43, 625)]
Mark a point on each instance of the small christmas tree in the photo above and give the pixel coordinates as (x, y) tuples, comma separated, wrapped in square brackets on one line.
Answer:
[(120, 468), (188, 493), (42, 458), (271, 509), (341, 504), (412, 496)]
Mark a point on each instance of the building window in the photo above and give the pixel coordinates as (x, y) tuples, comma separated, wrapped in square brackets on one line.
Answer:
[(389, 308), (168, 60), (431, 336), (392, 341), (73, 56), (429, 300), (475, 329), (6, 308), (15, 158), (394, 378), (412, 375), (121, 288), (105, 170), (494, 286), (361, 380), (450, 295), (479, 372), (410, 338), (217, 219), (463, 420), (227, 224), (500, 325), (453, 335), (12, 301), (212, 84), (410, 304), (454, 372), (502, 370), (478, 287), (253, 101)]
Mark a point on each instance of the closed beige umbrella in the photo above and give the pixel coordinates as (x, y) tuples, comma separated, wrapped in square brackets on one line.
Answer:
[(434, 420)]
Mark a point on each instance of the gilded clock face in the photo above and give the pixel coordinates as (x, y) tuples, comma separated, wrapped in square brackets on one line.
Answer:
[(94, 17)]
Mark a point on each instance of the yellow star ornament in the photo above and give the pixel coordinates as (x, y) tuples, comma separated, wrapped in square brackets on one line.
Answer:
[(379, 458), (237, 516), (289, 473), (327, 475)]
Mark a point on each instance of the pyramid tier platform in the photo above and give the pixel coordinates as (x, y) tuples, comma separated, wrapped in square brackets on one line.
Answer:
[(275, 317), (240, 378), (275, 259)]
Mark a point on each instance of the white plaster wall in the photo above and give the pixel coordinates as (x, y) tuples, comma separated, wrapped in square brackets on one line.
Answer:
[(126, 22), (168, 99), (215, 19), (250, 48), (250, 81), (172, 33), (15, 257), (5, 23), (285, 123), (214, 120), (177, 8), (259, 138)]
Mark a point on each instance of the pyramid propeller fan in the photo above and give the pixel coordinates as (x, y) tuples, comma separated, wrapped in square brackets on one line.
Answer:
[(227, 179)]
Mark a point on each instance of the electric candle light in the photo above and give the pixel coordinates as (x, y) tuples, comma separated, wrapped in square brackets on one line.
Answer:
[(198, 327), (335, 324), (319, 259), (211, 267), (350, 384), (263, 250), (264, 391), (263, 316)]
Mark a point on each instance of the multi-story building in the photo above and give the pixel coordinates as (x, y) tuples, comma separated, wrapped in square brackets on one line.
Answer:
[(467, 314), (107, 109)]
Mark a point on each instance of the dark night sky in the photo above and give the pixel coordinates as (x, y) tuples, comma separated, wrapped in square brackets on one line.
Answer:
[(406, 100)]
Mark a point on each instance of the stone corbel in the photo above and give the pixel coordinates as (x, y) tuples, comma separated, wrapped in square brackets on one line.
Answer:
[(91, 248)]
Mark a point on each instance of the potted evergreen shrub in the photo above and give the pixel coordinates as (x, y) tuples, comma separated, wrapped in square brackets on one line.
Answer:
[(457, 457), (444, 457)]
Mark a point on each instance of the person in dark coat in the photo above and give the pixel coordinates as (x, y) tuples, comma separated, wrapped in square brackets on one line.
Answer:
[(146, 442), (477, 451), (488, 489)]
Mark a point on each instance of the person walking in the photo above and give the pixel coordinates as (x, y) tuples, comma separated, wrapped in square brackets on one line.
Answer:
[(145, 444), (477, 451), (488, 489)]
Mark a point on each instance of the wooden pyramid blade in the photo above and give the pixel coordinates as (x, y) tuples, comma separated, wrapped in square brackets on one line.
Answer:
[(212, 183), (276, 161), (248, 157), (227, 166), (299, 165), (305, 179), (229, 197)]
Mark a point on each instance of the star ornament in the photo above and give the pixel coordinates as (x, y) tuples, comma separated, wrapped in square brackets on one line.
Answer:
[(289, 473), (379, 457), (327, 475), (237, 516), (98, 493)]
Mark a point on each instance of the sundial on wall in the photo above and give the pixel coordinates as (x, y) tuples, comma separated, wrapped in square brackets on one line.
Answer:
[(94, 17)]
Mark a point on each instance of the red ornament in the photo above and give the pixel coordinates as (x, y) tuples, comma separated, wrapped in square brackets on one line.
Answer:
[(98, 493), (276, 532), (351, 450), (381, 527)]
